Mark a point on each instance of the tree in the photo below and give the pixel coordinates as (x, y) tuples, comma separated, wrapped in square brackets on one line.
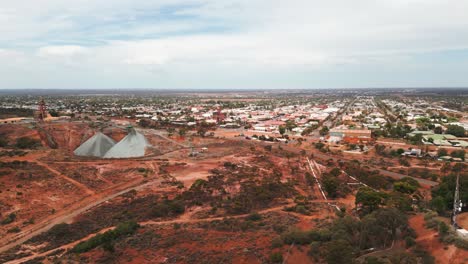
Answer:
[(416, 139), (406, 185), (369, 199), (442, 152), (290, 124), (445, 190), (446, 168), (182, 132), (379, 149), (282, 130), (330, 185), (324, 131), (201, 131), (335, 172), (53, 113), (423, 123), (391, 219), (339, 252), (319, 145), (399, 200), (170, 131), (458, 154), (459, 167), (438, 130), (455, 130), (404, 162)]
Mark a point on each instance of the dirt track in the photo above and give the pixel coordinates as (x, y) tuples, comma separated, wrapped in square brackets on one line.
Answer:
[(68, 214), (182, 219), (61, 175)]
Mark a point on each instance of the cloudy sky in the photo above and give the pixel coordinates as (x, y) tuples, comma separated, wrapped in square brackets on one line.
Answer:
[(233, 44)]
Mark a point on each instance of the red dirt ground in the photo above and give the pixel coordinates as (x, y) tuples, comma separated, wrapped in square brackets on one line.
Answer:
[(428, 238), (462, 220), (106, 177)]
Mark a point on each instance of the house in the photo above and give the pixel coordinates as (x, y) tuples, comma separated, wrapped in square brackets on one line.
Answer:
[(412, 152), (260, 128)]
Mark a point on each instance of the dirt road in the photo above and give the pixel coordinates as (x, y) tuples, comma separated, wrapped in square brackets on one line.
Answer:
[(68, 214), (179, 220), (65, 177)]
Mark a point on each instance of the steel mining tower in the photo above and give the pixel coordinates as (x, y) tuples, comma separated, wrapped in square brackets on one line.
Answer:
[(41, 110)]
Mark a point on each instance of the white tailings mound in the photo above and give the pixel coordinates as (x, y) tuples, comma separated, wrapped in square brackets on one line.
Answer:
[(133, 145), (95, 146)]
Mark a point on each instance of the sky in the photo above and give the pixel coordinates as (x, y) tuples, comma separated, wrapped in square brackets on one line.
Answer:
[(227, 44)]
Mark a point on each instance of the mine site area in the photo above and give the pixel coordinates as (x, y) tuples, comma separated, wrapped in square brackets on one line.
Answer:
[(227, 169), (194, 184)]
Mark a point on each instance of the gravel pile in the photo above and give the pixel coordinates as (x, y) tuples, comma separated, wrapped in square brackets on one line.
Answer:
[(97, 146), (133, 145)]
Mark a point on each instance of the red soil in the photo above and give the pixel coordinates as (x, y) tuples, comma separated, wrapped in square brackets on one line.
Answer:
[(12, 132), (428, 238)]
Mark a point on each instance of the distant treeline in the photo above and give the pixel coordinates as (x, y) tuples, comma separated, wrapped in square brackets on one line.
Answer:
[(15, 112)]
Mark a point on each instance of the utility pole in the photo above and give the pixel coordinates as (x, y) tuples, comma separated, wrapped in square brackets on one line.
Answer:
[(457, 204), (192, 150)]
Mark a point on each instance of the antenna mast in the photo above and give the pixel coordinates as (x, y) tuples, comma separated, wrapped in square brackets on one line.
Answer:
[(457, 204)]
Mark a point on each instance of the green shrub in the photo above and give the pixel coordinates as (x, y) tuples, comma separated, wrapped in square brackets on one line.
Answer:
[(3, 142), (9, 219), (277, 242), (27, 143), (432, 223), (106, 239), (409, 242), (429, 215), (449, 239), (426, 258), (254, 217), (168, 207), (296, 236), (461, 243), (14, 230), (314, 250), (302, 210), (443, 229), (276, 257)]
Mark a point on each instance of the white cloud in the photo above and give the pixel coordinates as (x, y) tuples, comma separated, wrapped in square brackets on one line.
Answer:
[(228, 39), (62, 51)]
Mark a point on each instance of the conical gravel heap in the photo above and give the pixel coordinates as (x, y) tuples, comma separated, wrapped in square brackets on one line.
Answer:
[(133, 145), (96, 146)]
